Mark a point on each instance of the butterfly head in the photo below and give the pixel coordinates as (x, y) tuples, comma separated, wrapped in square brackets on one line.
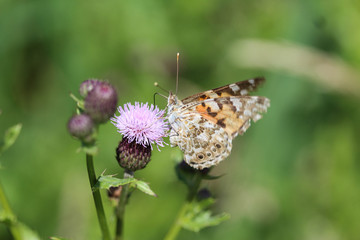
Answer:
[(172, 99)]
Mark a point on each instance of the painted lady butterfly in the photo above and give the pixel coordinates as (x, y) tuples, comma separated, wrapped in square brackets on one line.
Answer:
[(204, 125)]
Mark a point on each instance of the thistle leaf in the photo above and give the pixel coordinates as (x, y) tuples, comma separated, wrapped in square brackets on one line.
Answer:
[(144, 187), (10, 137), (198, 217), (108, 181)]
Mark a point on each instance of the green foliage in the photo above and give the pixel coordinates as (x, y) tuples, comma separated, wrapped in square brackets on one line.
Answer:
[(197, 216), (6, 218), (106, 182), (10, 137), (143, 186), (25, 232), (79, 103)]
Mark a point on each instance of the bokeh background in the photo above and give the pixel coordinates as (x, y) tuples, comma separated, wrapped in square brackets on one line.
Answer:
[(293, 175)]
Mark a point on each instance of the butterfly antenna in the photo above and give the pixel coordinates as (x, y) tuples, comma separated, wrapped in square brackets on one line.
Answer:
[(177, 72), (156, 84), (159, 95)]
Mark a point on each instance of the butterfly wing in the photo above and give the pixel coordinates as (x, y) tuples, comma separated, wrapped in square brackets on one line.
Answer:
[(203, 142), (236, 89), (204, 129)]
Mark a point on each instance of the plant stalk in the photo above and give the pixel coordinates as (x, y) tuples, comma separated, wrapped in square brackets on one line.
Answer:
[(176, 227), (13, 225), (120, 210), (97, 198)]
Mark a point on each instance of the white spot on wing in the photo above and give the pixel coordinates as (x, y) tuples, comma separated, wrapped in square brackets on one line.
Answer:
[(252, 81), (237, 103), (234, 87), (244, 92), (247, 112)]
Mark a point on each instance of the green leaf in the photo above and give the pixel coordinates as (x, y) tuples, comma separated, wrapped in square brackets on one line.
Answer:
[(108, 181), (211, 177), (5, 218), (144, 187), (186, 174), (198, 217), (80, 103), (58, 238), (27, 233), (24, 231), (10, 137)]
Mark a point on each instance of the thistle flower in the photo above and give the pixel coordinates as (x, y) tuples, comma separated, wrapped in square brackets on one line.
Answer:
[(141, 123), (141, 126)]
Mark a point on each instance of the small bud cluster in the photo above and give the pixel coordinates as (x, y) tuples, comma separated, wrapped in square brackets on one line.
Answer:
[(141, 125), (100, 100)]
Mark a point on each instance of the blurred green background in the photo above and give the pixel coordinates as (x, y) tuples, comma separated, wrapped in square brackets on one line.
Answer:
[(293, 175)]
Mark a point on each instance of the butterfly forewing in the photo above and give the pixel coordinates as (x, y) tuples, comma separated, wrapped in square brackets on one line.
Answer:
[(241, 88)]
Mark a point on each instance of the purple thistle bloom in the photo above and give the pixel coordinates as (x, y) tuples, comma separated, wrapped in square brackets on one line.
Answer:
[(141, 123)]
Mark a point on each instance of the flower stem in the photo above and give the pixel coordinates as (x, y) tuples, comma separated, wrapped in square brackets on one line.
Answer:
[(13, 224), (176, 227), (97, 198), (120, 210)]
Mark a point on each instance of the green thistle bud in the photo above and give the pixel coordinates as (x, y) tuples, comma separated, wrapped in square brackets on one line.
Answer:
[(132, 156)]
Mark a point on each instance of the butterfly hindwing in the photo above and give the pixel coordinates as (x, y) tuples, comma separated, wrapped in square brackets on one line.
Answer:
[(203, 142)]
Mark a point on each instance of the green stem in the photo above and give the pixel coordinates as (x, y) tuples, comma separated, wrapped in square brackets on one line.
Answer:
[(13, 225), (120, 210), (176, 227), (97, 198)]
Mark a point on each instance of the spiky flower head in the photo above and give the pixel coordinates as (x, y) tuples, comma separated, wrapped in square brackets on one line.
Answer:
[(132, 156), (141, 123), (141, 126)]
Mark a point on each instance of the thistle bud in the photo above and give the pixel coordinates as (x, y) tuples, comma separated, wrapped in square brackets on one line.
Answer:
[(203, 194), (132, 156), (88, 85), (100, 102), (81, 126)]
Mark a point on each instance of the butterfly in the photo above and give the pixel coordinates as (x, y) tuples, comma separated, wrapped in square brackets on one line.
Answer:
[(203, 125)]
